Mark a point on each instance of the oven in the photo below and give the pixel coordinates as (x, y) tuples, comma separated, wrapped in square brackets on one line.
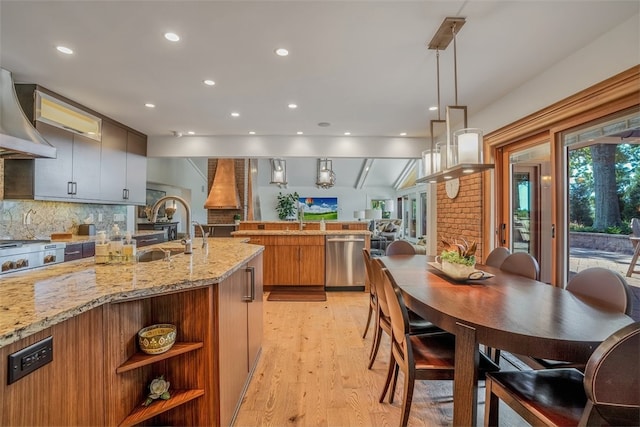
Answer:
[(18, 255)]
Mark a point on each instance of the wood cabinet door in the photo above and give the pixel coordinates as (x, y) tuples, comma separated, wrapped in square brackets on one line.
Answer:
[(136, 168), (113, 164), (312, 266), (287, 265), (52, 176), (255, 312)]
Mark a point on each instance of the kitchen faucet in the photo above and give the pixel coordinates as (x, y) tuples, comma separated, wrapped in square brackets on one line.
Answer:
[(154, 217), (204, 235)]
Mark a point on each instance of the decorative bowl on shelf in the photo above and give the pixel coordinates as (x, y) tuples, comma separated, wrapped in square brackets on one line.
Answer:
[(157, 339)]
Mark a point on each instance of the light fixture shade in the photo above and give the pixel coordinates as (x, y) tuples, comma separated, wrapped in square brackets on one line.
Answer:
[(467, 146), (373, 213), (358, 215), (431, 161), (278, 172), (326, 178), (389, 206)]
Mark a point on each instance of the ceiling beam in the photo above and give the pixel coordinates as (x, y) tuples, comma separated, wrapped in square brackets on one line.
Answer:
[(364, 173)]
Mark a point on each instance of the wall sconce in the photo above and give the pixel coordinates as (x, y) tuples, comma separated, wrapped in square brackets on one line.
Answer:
[(389, 206), (326, 178), (278, 172), (461, 154)]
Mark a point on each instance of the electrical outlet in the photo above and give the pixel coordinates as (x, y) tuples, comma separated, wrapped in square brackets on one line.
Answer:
[(99, 217), (118, 217), (29, 359)]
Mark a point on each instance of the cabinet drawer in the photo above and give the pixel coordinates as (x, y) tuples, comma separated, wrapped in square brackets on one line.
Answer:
[(73, 251), (88, 249)]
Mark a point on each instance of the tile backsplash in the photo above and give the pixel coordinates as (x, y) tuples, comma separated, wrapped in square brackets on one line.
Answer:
[(26, 219)]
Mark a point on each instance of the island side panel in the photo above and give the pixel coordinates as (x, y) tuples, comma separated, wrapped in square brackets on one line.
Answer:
[(68, 391)]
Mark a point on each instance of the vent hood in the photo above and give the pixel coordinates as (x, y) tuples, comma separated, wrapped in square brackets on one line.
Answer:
[(224, 192), (18, 137)]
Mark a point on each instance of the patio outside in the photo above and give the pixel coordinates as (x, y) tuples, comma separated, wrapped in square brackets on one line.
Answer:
[(580, 259)]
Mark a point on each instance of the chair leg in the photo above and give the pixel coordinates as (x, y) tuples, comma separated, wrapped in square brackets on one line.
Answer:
[(392, 365), (409, 381), (491, 405), (376, 341), (366, 328), (394, 383)]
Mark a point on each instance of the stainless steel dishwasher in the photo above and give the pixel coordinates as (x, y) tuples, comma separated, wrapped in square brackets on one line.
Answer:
[(344, 262)]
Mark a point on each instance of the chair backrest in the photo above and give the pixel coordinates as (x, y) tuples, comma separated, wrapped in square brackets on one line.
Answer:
[(377, 279), (366, 255), (400, 247), (612, 377), (497, 256), (606, 286), (522, 264), (397, 311), (635, 227)]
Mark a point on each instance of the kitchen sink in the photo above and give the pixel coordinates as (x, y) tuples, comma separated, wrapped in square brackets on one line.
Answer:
[(156, 254)]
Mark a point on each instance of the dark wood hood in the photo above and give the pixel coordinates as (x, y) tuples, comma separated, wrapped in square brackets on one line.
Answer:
[(224, 191)]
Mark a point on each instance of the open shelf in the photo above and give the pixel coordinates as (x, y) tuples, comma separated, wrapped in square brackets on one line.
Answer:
[(142, 413), (142, 359)]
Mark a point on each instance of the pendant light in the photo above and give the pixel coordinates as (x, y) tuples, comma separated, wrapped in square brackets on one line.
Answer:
[(279, 172), (461, 154), (326, 178)]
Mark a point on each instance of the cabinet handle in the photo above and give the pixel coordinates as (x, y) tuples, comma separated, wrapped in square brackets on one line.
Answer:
[(148, 240), (72, 253), (252, 294), (75, 188), (125, 194), (69, 187)]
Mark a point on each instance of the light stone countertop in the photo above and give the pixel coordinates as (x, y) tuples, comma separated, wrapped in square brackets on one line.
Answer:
[(83, 238), (296, 232), (36, 299)]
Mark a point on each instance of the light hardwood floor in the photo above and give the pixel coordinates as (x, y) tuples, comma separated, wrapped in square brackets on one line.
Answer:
[(313, 372)]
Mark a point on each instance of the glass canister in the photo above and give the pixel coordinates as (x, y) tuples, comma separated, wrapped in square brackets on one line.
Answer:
[(115, 245), (129, 249), (102, 248)]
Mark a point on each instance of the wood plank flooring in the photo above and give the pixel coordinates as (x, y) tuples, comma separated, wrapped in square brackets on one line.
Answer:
[(313, 372)]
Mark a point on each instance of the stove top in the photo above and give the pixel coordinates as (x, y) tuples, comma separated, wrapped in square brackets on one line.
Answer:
[(25, 254)]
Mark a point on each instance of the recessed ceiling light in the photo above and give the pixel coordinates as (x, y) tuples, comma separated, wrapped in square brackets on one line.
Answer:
[(403, 134), (347, 133), (209, 82), (433, 108), (172, 37), (191, 132), (281, 51), (293, 106), (65, 50), (150, 105), (300, 133), (251, 132), (235, 114)]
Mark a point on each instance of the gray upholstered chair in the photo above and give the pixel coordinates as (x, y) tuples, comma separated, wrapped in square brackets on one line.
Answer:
[(602, 286), (497, 256), (400, 247), (522, 264), (609, 389)]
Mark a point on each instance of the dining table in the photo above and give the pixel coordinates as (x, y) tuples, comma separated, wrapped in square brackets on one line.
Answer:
[(504, 311)]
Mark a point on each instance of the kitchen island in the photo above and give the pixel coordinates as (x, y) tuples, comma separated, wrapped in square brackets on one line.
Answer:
[(93, 312), (294, 257)]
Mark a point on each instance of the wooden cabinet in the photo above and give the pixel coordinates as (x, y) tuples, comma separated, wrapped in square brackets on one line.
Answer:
[(123, 171), (150, 239), (72, 176), (170, 228), (240, 328), (292, 260), (79, 250), (113, 170)]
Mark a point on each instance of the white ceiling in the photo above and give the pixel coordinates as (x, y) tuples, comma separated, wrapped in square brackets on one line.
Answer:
[(362, 66)]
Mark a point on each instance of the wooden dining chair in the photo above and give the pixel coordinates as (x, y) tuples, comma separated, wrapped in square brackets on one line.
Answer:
[(373, 299), (400, 247), (497, 256), (419, 357), (602, 286), (609, 389), (417, 324), (522, 264)]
